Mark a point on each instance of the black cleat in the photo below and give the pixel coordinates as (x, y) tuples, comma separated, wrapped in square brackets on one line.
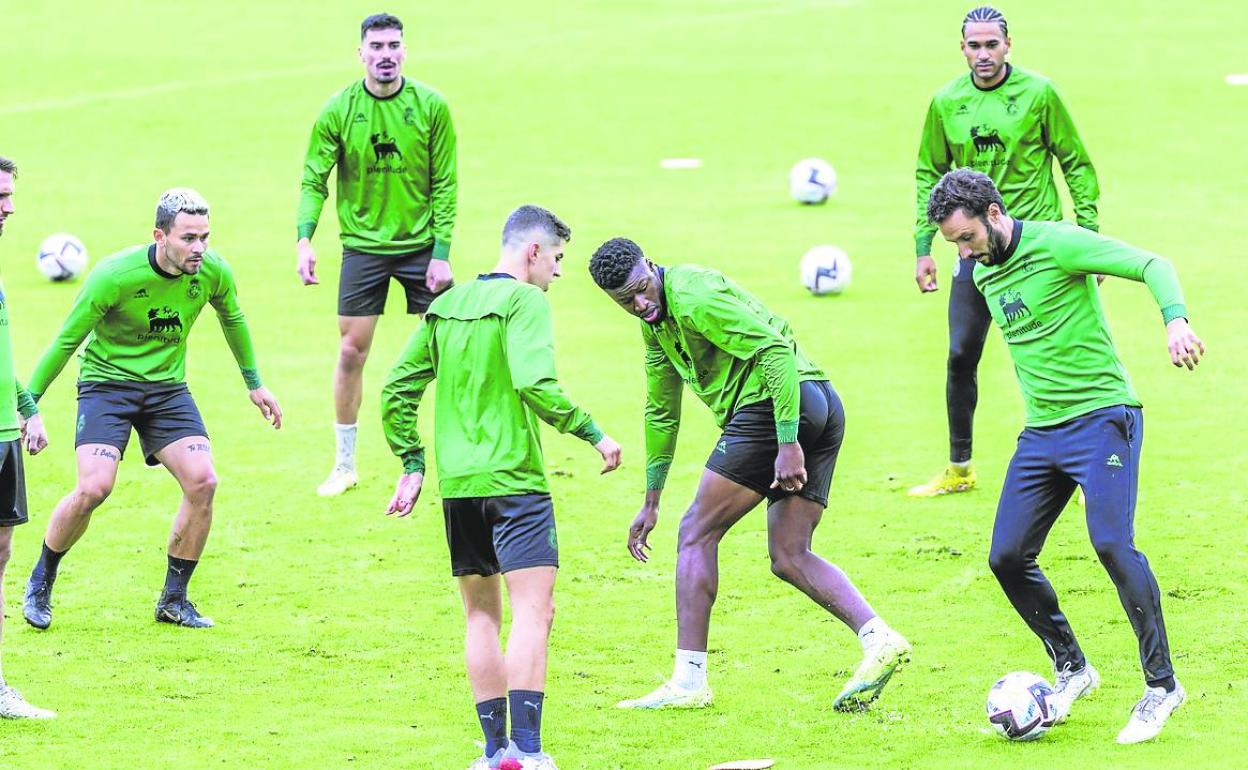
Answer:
[(38, 604), (177, 609)]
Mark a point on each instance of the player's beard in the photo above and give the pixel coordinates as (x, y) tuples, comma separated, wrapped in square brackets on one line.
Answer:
[(998, 245)]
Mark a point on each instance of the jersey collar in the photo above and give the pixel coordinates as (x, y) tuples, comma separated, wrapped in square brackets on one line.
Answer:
[(151, 260), (1008, 70), (1016, 233), (494, 276), (399, 90)]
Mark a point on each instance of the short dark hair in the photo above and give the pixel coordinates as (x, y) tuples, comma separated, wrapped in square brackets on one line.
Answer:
[(179, 200), (8, 166), (613, 262), (986, 13), (528, 218), (380, 21), (964, 189)]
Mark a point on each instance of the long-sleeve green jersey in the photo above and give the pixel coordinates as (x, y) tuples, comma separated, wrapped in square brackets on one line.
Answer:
[(13, 397), (397, 180), (136, 317), (1011, 132), (731, 351), (1046, 301), (490, 345)]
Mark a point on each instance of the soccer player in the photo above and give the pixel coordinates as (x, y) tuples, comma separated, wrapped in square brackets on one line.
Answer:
[(1010, 124), (489, 344), (394, 146), (1084, 424), (135, 312), (20, 424), (782, 428)]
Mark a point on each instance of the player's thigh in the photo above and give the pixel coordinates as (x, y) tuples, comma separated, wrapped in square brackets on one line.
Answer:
[(356, 332), (482, 595), (189, 460), (1033, 495), (6, 545), (745, 456), (523, 531), (718, 504), (13, 509), (1106, 450), (170, 417), (469, 537), (791, 524), (531, 590), (363, 282), (411, 271), (97, 469)]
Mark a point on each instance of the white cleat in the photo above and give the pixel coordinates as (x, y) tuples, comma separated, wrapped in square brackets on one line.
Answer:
[(14, 706), (1151, 713), (1070, 686), (340, 480), (880, 660), (669, 696), (542, 761), (488, 763)]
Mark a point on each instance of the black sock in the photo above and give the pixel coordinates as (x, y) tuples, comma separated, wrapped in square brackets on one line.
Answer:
[(45, 568), (526, 719), (1167, 684), (178, 575), (492, 714)]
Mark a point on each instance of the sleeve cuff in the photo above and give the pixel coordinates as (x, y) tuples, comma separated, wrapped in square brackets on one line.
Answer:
[(786, 431), (414, 461), (26, 405), (923, 245), (306, 229), (251, 377), (442, 250), (656, 475), (589, 432), (1171, 312)]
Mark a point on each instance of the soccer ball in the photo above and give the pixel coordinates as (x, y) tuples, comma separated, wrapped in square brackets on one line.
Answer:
[(826, 270), (812, 180), (1019, 706), (62, 257)]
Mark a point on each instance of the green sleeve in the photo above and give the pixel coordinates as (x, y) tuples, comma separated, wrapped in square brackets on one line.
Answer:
[(400, 399), (25, 403), (98, 295), (443, 178), (1062, 139), (234, 325), (1090, 254), (531, 362), (323, 149), (935, 159), (664, 390), (734, 327)]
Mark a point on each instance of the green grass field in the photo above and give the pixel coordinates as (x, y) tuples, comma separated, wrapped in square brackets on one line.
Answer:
[(339, 631)]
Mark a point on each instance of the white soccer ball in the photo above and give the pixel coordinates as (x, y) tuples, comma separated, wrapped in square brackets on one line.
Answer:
[(1019, 706), (812, 180), (826, 270), (62, 257)]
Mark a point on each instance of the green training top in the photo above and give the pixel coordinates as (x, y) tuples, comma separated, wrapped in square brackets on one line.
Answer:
[(135, 318), (1011, 132), (729, 348), (491, 347), (13, 397), (396, 170), (1045, 299)]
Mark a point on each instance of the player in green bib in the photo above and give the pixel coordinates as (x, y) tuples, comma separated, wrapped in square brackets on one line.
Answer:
[(782, 428), (1010, 124), (1084, 424), (490, 346), (20, 424), (135, 313), (392, 142)]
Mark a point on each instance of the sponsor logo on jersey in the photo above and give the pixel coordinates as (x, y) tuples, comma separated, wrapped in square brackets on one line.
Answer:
[(986, 139), (1013, 307), (194, 289), (388, 157), (163, 324)]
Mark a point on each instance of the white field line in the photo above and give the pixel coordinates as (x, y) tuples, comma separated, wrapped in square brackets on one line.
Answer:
[(1237, 80)]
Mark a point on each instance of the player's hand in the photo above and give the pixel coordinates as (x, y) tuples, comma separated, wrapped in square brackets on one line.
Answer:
[(438, 276), (34, 437), (267, 405), (790, 468), (610, 452), (1185, 347), (925, 274), (307, 262), (645, 521), (406, 492)]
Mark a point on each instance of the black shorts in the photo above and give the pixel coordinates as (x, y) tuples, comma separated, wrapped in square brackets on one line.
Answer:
[(12, 484), (161, 412), (489, 535), (364, 281), (746, 451)]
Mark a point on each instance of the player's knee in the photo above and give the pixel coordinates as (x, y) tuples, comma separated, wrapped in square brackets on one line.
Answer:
[(1006, 562), (202, 485), (961, 359), (786, 567), (352, 355), (1112, 550), (91, 493), (694, 531)]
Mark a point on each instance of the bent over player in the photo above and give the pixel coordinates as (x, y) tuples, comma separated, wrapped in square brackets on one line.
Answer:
[(135, 313), (782, 428), (1084, 424)]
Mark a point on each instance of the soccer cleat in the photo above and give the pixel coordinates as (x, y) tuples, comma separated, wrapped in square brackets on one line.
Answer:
[(1151, 713), (669, 696), (513, 759), (340, 480), (880, 660), (177, 609), (37, 607), (484, 762), (14, 706), (1069, 686), (951, 480)]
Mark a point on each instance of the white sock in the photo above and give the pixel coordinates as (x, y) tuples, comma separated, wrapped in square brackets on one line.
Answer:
[(872, 631), (963, 466), (690, 671), (345, 441)]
